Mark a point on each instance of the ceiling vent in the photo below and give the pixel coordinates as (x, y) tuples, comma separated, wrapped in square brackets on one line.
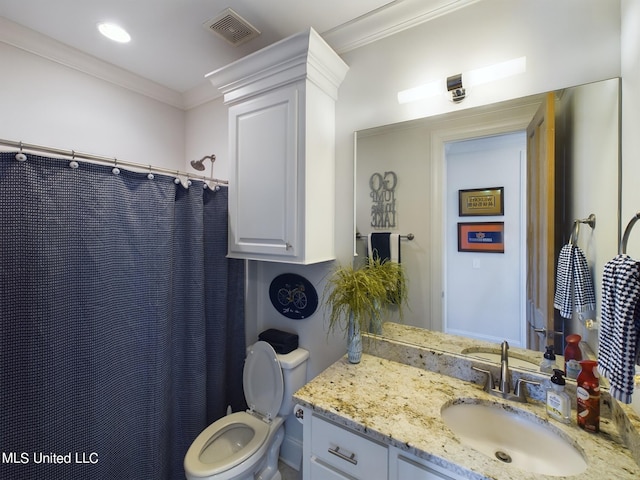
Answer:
[(232, 27)]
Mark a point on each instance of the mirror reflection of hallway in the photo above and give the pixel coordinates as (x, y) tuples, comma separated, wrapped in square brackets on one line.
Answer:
[(484, 290)]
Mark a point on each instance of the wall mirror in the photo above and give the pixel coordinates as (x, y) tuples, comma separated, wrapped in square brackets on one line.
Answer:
[(411, 178)]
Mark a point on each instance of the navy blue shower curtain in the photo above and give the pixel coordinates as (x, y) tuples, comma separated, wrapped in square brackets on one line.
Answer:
[(121, 321)]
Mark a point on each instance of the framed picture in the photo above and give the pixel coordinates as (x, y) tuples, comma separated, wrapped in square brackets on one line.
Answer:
[(481, 237), (481, 201)]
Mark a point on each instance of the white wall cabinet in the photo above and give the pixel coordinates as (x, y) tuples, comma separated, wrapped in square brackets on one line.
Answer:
[(282, 150), (334, 452)]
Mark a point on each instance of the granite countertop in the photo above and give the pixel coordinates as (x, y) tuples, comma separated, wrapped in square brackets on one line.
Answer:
[(400, 405)]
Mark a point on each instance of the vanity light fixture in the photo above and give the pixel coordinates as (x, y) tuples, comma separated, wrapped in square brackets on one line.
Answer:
[(454, 84), (455, 88), (114, 32)]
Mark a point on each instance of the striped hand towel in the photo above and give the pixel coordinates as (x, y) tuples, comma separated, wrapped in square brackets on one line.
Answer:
[(574, 286), (619, 336)]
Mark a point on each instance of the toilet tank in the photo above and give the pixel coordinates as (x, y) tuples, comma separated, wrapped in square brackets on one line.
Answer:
[(294, 376)]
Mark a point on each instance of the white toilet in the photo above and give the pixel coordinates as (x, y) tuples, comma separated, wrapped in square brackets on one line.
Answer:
[(246, 445)]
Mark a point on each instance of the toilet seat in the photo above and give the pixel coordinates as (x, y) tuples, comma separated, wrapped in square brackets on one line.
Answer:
[(217, 449), (244, 442), (205, 466), (262, 380)]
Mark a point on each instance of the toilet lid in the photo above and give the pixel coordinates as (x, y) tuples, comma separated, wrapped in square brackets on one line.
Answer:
[(262, 380)]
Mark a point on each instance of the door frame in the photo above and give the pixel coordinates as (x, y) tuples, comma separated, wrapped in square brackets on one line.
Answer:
[(493, 121)]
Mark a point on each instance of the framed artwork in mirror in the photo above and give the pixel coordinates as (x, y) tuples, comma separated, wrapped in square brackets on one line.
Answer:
[(481, 237), (481, 202)]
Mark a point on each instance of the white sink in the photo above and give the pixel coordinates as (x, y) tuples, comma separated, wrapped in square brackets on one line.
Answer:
[(514, 437)]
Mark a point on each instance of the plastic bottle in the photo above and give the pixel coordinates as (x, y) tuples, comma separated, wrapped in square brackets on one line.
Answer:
[(548, 364), (588, 396), (572, 352), (558, 401)]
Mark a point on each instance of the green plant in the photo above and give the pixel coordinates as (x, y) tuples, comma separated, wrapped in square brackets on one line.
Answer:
[(367, 293)]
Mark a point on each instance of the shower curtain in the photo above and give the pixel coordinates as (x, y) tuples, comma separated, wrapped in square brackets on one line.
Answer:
[(121, 320)]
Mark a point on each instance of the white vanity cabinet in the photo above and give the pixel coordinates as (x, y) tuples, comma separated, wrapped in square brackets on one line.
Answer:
[(334, 452), (282, 150)]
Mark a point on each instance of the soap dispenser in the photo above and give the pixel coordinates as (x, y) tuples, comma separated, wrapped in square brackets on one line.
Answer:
[(548, 364), (558, 401)]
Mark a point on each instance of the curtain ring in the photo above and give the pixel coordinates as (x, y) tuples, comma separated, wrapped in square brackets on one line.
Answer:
[(21, 157), (73, 164), (115, 170), (150, 175)]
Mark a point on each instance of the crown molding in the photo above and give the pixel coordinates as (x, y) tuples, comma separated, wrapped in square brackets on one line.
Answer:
[(304, 55), (200, 94), (388, 20), (33, 42)]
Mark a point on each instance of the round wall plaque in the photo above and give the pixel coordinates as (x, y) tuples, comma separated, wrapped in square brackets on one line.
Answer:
[(293, 296)]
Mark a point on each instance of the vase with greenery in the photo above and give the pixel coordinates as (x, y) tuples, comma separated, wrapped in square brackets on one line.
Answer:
[(358, 299)]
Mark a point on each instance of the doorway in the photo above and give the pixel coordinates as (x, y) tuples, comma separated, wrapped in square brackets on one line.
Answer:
[(485, 290)]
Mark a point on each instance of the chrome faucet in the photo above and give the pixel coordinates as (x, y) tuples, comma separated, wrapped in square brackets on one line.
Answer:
[(505, 375), (504, 385)]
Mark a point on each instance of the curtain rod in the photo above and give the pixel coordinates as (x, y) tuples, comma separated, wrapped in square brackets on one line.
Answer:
[(110, 160)]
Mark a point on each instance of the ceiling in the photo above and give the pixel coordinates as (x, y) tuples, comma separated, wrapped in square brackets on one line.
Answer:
[(170, 46)]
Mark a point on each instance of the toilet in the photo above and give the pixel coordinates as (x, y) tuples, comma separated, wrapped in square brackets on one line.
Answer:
[(246, 445)]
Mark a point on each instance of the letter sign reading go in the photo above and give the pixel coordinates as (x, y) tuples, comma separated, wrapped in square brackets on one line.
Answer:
[(383, 197)]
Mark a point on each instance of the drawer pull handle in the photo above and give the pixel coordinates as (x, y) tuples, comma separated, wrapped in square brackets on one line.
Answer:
[(351, 458)]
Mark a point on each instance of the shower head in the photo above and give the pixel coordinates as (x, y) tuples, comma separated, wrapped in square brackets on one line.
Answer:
[(199, 164)]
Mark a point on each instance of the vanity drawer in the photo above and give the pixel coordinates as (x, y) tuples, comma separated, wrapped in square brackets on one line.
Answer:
[(348, 451)]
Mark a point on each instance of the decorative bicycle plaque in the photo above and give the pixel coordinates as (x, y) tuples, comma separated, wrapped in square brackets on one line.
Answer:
[(293, 296)]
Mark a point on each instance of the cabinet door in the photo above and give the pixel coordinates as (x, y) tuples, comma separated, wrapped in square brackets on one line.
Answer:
[(404, 466), (346, 451), (263, 178)]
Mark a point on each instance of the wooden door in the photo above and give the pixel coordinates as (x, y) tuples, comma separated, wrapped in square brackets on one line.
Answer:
[(541, 247)]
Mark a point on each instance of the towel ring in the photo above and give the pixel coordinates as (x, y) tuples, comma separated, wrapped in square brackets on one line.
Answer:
[(590, 220), (627, 231), (573, 238)]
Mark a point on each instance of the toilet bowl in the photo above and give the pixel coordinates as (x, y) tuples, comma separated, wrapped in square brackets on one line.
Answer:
[(246, 445)]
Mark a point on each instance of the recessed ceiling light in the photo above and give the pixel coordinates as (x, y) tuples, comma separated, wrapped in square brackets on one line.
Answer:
[(114, 32)]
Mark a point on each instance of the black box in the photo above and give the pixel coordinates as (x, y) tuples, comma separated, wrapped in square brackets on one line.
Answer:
[(282, 342)]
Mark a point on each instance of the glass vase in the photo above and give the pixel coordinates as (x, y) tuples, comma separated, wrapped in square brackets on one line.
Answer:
[(354, 341)]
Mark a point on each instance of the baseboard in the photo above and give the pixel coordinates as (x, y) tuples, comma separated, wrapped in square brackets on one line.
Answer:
[(291, 452)]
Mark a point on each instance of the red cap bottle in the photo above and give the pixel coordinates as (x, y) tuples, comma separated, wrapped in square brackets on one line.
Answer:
[(572, 352), (588, 396)]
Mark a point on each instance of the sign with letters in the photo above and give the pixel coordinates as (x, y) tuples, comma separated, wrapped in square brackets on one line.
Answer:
[(383, 198), (481, 201), (481, 237)]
